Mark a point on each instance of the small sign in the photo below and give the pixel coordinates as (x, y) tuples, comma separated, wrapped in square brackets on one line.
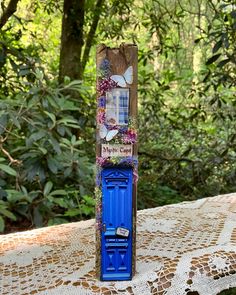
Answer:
[(123, 232), (117, 150)]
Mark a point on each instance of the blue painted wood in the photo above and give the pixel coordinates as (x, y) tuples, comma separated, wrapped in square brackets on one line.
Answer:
[(116, 260)]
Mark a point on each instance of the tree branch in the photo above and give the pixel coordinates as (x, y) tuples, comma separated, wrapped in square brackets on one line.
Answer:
[(8, 12), (182, 159), (6, 153), (92, 32)]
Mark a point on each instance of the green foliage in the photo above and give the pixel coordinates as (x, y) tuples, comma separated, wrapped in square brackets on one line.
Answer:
[(231, 291), (187, 116), (187, 138), (46, 171)]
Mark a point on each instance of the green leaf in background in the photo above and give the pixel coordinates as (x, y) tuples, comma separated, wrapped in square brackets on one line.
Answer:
[(73, 212), (8, 169), (59, 193), (2, 224), (47, 188), (57, 220), (187, 106), (7, 213), (212, 59), (37, 217)]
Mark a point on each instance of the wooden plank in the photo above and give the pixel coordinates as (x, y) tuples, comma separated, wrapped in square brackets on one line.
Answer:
[(120, 59)]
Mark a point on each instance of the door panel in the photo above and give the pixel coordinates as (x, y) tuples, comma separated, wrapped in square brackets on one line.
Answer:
[(117, 212)]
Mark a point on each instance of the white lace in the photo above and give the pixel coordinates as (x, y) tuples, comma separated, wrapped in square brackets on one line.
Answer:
[(187, 247)]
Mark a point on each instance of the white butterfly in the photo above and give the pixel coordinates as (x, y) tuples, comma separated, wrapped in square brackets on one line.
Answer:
[(109, 134), (127, 77)]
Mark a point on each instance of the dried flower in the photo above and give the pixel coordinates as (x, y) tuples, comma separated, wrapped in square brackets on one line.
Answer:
[(105, 68), (101, 116), (123, 129), (130, 136), (102, 102), (135, 175), (105, 85), (101, 161)]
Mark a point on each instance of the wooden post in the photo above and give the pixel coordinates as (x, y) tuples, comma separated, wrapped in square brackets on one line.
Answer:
[(116, 152)]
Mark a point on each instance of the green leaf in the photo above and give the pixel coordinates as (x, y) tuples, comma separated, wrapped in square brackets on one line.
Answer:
[(52, 117), (7, 213), (55, 145), (59, 192), (72, 212), (2, 224), (87, 210), (14, 195), (37, 217), (217, 46), (3, 122), (43, 150), (89, 200), (73, 139), (61, 202), (56, 220), (8, 169), (67, 121), (212, 59), (24, 72), (52, 164), (47, 188), (223, 63)]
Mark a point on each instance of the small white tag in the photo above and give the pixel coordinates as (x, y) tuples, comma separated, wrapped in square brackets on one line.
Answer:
[(120, 231)]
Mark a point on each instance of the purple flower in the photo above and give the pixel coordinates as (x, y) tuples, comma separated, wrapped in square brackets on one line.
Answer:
[(123, 129), (129, 161), (105, 68), (102, 102), (98, 179)]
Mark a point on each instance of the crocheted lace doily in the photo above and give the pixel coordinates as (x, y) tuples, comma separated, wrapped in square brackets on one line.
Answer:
[(183, 248)]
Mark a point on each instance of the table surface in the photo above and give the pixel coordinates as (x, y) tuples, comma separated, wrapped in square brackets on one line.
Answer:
[(181, 248)]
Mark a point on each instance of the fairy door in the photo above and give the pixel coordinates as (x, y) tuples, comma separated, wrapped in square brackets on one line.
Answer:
[(117, 224)]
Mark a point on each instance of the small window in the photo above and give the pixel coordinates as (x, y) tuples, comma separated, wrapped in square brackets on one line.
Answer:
[(117, 106)]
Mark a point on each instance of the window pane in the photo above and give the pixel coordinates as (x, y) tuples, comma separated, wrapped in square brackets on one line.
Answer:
[(111, 108), (123, 106), (123, 116), (117, 106)]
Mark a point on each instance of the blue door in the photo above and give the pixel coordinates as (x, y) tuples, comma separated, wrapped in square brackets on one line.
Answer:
[(117, 224)]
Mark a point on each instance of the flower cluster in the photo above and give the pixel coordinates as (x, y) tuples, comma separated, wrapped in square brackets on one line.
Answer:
[(130, 136), (122, 161), (105, 85), (105, 68), (129, 161), (101, 161), (102, 102), (101, 115), (123, 129)]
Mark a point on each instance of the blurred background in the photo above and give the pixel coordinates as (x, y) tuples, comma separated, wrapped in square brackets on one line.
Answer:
[(187, 103)]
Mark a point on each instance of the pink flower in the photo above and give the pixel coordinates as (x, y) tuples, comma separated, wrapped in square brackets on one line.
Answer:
[(105, 85), (101, 161), (101, 116), (130, 136)]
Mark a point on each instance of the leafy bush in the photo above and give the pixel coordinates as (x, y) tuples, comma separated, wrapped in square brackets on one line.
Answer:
[(46, 171)]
